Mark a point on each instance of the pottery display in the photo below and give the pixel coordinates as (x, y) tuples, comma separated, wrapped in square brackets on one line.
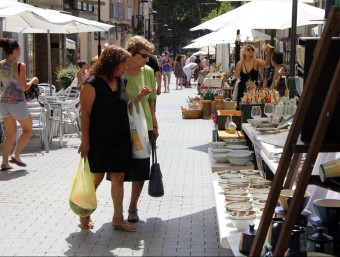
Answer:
[(247, 239)]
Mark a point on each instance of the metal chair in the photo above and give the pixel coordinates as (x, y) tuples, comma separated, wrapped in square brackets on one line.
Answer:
[(40, 117)]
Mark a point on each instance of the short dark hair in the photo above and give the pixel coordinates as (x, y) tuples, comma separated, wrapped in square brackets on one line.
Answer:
[(277, 57), (80, 63), (9, 44)]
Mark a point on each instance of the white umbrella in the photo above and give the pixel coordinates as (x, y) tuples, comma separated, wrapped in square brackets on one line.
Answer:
[(265, 15), (196, 45), (23, 18), (226, 35)]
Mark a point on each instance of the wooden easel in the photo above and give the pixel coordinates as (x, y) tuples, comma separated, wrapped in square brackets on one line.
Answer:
[(293, 146)]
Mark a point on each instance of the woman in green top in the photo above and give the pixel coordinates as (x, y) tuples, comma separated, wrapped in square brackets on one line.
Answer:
[(140, 87)]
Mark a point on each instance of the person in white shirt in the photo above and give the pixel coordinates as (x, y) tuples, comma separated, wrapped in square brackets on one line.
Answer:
[(188, 71)]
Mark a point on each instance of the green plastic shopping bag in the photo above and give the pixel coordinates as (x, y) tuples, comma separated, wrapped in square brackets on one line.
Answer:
[(83, 200)]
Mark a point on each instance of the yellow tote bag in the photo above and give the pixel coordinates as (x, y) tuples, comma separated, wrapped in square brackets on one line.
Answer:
[(83, 200)]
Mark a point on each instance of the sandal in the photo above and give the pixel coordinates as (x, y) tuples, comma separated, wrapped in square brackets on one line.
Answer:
[(133, 216), (17, 162), (86, 222), (125, 227), (5, 168)]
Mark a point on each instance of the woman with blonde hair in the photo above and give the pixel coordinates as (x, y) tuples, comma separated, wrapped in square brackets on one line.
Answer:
[(141, 88), (247, 69)]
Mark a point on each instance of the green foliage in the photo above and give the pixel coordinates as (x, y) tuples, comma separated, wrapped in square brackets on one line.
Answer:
[(223, 8), (66, 75), (181, 16)]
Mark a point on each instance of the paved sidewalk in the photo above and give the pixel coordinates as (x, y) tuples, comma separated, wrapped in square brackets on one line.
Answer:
[(36, 219)]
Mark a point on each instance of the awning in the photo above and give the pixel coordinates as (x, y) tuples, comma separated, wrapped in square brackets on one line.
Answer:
[(94, 2)]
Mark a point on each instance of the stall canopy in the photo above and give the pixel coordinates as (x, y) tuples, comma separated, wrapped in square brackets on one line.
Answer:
[(23, 18), (265, 15), (226, 35)]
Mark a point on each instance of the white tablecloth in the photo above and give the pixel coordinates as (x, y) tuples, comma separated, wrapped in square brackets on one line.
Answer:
[(207, 82)]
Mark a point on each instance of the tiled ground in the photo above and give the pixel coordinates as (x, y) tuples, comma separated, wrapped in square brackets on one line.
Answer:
[(36, 219)]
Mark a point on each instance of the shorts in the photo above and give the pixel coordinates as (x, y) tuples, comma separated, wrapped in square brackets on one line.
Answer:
[(166, 72), (18, 111)]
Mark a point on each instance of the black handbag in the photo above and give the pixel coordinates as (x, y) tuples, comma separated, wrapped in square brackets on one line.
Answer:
[(156, 188), (33, 92)]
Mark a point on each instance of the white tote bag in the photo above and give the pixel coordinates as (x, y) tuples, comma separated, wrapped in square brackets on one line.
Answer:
[(235, 92), (141, 148)]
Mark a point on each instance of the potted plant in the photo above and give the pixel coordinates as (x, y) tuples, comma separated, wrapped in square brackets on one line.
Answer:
[(66, 75)]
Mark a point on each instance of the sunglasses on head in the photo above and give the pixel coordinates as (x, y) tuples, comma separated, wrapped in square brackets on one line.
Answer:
[(143, 55), (250, 49)]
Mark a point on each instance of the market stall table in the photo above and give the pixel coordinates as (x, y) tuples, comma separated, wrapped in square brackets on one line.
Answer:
[(209, 82)]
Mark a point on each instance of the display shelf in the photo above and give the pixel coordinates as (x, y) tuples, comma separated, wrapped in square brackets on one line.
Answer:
[(216, 166)]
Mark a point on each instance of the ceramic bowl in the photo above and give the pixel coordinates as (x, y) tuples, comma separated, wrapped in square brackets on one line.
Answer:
[(260, 196), (328, 210), (217, 144), (260, 182), (236, 191), (240, 182), (239, 161), (249, 172), (237, 147), (260, 191), (242, 219), (220, 150), (220, 157), (259, 204), (229, 176), (238, 206), (234, 197), (256, 186), (235, 141), (239, 154), (286, 197), (227, 172)]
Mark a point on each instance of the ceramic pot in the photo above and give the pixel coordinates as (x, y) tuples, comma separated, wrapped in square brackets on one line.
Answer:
[(320, 242), (298, 239), (247, 239), (274, 231)]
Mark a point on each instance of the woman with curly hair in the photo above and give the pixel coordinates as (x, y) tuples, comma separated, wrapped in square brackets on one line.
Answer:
[(105, 128)]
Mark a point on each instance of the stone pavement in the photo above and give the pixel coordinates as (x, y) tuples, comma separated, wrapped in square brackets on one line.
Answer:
[(35, 218)]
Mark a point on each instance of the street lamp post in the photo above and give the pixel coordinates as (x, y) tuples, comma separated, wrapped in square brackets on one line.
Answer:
[(140, 17), (154, 12), (99, 46)]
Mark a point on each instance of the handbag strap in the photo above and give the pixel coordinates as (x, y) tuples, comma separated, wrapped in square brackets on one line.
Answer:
[(154, 154)]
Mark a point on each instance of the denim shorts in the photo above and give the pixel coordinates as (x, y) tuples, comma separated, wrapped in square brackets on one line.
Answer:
[(18, 111), (166, 72)]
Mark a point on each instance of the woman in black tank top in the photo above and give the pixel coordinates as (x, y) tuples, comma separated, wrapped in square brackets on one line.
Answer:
[(247, 69)]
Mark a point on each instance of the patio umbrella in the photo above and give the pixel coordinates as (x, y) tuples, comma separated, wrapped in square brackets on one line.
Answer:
[(265, 15), (226, 35), (23, 18)]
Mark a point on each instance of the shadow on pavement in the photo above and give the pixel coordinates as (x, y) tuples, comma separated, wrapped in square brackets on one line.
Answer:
[(12, 174), (202, 148), (154, 237)]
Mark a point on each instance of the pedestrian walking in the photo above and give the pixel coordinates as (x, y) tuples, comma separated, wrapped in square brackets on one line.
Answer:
[(13, 106), (106, 139), (140, 77)]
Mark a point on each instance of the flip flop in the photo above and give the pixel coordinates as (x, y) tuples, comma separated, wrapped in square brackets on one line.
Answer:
[(133, 216), (125, 227), (17, 162), (5, 168)]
